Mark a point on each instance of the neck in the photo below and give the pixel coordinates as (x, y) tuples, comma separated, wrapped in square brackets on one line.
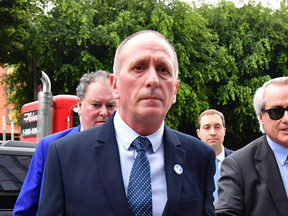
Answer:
[(143, 127), (218, 149)]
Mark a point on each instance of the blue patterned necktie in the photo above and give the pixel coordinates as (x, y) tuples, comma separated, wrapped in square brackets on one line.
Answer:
[(216, 178), (139, 188)]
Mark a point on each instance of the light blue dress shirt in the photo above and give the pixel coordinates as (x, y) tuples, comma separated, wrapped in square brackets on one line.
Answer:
[(125, 135), (281, 155)]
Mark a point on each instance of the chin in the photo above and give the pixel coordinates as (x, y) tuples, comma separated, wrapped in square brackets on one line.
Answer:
[(98, 124), (152, 111)]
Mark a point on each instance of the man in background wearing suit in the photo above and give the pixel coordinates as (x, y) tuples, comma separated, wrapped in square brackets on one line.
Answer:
[(211, 130), (254, 179), (133, 164), (95, 104)]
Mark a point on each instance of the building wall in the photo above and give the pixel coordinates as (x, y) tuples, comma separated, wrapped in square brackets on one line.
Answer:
[(4, 111)]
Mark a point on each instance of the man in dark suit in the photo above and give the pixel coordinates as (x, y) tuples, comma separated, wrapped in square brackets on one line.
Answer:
[(94, 89), (254, 179), (107, 171), (211, 130)]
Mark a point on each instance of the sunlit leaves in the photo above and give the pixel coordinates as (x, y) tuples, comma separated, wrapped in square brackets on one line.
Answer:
[(224, 52)]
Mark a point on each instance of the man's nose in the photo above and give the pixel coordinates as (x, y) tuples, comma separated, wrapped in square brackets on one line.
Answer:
[(212, 132), (103, 111), (152, 78), (285, 116)]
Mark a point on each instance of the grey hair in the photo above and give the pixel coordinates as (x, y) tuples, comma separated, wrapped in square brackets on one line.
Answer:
[(88, 78), (117, 57), (259, 100)]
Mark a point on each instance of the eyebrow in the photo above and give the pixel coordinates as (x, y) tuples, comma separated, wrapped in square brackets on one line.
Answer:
[(160, 60), (100, 101), (139, 60), (212, 124), (163, 60)]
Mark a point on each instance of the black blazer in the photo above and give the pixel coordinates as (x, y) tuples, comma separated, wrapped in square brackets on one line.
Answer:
[(251, 183), (83, 175), (227, 152)]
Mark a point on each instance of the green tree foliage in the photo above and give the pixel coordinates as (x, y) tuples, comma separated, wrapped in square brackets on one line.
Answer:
[(255, 40), (224, 52), (15, 22), (17, 32)]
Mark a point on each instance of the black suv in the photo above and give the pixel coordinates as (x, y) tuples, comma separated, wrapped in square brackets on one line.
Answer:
[(15, 157)]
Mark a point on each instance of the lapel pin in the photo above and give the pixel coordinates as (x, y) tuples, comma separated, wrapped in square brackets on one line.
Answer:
[(178, 169)]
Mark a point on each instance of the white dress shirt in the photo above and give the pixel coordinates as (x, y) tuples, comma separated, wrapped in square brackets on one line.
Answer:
[(125, 136), (221, 157)]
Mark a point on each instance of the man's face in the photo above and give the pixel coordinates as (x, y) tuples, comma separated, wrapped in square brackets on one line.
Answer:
[(97, 106), (212, 130), (277, 130), (146, 85)]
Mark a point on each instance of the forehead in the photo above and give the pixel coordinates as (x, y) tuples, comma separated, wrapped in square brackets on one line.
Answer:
[(211, 119), (149, 43), (148, 37), (97, 88), (276, 95)]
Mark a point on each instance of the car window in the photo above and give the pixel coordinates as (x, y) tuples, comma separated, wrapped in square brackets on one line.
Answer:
[(13, 170)]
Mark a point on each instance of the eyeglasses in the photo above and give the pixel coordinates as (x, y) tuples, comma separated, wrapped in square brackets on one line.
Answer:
[(275, 113)]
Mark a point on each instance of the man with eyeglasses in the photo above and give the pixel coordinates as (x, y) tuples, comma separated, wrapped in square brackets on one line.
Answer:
[(254, 179)]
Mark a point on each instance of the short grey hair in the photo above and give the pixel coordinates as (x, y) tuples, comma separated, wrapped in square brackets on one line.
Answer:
[(88, 78), (117, 57), (259, 100)]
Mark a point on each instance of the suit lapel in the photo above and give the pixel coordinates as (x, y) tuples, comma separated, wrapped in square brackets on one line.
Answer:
[(270, 173), (110, 169), (227, 152), (173, 155)]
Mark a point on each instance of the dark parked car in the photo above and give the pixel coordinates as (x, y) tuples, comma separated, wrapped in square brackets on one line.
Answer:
[(15, 157)]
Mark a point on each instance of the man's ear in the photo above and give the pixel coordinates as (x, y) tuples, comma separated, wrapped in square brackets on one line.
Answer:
[(79, 106), (198, 133), (175, 91), (260, 117), (114, 85)]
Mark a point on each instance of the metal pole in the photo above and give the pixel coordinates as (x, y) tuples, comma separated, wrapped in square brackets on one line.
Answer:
[(4, 128), (45, 113), (12, 130)]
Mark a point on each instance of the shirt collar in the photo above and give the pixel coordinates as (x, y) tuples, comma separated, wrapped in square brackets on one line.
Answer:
[(127, 135), (221, 156), (280, 151)]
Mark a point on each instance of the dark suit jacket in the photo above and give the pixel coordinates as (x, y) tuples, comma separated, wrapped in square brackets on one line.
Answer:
[(83, 175), (251, 184), (227, 152)]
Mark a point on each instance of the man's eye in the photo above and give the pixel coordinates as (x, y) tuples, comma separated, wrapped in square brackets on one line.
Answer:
[(111, 106), (162, 69), (139, 67), (96, 105)]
